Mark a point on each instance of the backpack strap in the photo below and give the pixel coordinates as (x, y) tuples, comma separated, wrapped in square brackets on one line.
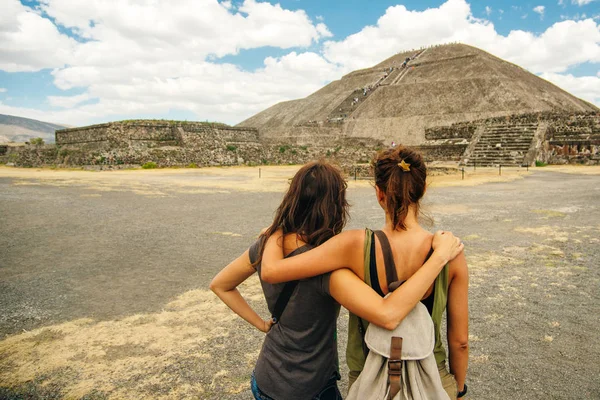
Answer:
[(283, 299), (395, 367), (369, 258), (286, 293), (391, 275)]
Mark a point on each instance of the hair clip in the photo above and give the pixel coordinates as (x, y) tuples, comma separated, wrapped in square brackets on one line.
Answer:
[(404, 165)]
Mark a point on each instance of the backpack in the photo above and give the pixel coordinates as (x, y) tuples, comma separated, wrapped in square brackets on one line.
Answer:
[(400, 364)]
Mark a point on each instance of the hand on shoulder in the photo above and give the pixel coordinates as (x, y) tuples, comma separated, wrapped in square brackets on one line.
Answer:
[(446, 245)]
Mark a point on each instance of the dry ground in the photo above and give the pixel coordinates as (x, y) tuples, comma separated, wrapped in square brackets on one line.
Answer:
[(103, 279)]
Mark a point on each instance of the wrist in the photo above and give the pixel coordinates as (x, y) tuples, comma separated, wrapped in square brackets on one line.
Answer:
[(438, 259), (462, 392)]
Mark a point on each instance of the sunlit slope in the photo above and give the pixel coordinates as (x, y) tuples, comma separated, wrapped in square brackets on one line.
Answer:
[(444, 84)]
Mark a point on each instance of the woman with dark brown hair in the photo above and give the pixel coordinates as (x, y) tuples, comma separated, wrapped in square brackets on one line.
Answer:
[(357, 257), (298, 359)]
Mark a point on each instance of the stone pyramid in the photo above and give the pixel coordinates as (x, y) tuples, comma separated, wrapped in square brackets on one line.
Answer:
[(438, 86)]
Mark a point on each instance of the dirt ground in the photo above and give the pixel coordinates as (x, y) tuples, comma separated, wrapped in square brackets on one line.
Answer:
[(104, 276)]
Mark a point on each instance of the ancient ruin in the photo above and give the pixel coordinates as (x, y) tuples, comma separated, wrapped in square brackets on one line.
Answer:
[(454, 102)]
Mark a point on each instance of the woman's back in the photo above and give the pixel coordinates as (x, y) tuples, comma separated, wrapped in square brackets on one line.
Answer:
[(409, 249), (299, 354)]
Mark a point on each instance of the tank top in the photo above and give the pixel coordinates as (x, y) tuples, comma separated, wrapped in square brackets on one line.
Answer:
[(436, 305), (299, 354)]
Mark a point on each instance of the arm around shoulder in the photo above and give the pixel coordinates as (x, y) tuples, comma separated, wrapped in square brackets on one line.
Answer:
[(341, 251), (360, 299)]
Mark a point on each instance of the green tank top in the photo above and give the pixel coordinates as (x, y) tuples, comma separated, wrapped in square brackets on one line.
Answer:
[(355, 357)]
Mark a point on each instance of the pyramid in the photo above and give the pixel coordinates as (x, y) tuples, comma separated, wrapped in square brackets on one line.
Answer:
[(438, 86)]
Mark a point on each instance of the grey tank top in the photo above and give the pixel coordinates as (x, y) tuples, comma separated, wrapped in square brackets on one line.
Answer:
[(299, 355)]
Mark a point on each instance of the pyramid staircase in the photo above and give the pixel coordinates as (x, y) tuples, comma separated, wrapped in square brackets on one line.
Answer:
[(347, 107), (504, 144), (392, 76)]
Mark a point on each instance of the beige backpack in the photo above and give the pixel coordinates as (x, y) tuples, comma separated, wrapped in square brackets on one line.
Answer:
[(400, 364)]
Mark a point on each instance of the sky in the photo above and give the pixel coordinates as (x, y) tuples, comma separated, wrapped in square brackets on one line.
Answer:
[(91, 61)]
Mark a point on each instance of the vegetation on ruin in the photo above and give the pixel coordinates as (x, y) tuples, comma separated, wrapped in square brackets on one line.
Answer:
[(38, 141), (539, 163), (231, 147), (149, 165), (171, 122)]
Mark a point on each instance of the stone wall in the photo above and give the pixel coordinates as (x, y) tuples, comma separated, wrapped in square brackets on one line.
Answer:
[(462, 130), (568, 139), (443, 152), (134, 143), (574, 140)]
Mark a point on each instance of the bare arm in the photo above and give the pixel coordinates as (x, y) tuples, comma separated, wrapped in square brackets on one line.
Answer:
[(360, 299), (225, 285), (342, 251), (458, 319)]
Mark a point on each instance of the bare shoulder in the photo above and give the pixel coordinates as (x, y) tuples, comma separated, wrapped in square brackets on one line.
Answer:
[(353, 235)]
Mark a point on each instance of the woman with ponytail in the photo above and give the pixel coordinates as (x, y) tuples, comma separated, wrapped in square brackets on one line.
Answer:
[(298, 359), (359, 257)]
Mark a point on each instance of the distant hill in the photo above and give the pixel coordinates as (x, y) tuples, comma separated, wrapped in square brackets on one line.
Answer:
[(440, 86), (18, 129)]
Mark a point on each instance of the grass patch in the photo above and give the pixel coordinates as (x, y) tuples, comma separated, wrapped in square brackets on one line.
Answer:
[(539, 163), (231, 147), (149, 165)]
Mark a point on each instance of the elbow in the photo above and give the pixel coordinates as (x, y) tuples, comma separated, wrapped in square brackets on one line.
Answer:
[(386, 319), (217, 287), (213, 286), (461, 344), (266, 275), (389, 325)]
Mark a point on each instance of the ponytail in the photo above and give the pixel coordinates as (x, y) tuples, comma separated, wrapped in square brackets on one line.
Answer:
[(400, 173)]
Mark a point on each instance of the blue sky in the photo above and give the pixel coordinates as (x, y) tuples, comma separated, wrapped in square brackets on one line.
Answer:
[(64, 62)]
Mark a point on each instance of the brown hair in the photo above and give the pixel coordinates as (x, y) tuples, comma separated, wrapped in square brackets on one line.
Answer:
[(401, 188), (314, 207)]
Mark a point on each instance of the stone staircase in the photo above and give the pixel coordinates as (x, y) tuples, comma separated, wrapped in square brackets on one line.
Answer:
[(347, 107), (392, 76), (503, 144)]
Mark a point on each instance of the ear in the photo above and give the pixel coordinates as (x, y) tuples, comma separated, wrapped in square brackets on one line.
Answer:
[(380, 196)]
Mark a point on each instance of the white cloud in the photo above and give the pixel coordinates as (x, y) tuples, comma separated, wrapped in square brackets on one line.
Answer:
[(563, 44), (323, 30), (488, 10), (581, 2), (29, 42), (540, 10), (3, 90), (561, 2), (190, 28), (68, 101), (211, 91), (164, 57), (585, 87)]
